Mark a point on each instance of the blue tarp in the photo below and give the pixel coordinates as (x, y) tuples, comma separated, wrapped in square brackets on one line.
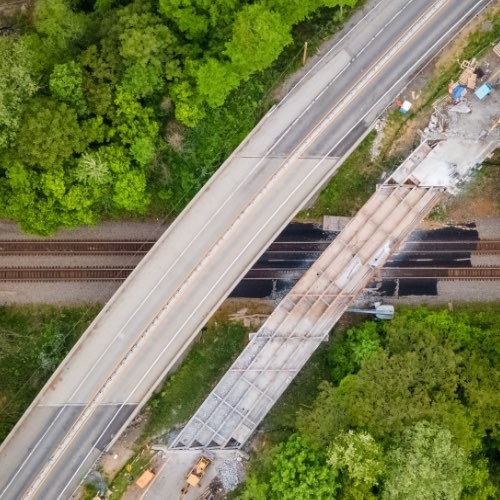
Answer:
[(483, 91), (457, 92)]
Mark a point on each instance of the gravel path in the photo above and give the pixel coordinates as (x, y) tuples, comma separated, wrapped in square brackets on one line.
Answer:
[(488, 229), (108, 230), (70, 260), (453, 291), (63, 293)]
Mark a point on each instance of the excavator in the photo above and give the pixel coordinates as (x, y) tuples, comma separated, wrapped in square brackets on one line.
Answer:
[(196, 473)]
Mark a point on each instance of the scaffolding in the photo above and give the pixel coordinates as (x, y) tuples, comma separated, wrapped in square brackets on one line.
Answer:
[(303, 319)]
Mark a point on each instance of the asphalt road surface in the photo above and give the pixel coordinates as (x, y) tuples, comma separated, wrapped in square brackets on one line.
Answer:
[(159, 310)]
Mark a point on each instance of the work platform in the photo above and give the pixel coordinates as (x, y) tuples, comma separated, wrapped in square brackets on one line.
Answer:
[(304, 318)]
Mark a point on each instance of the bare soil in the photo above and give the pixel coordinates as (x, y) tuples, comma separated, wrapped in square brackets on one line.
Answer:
[(399, 140), (123, 450)]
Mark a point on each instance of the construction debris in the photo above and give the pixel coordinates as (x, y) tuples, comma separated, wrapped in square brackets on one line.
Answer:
[(470, 120), (496, 49), (404, 106), (469, 75)]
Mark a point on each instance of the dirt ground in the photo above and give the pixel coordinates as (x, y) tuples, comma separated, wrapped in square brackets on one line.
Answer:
[(123, 450), (399, 141), (479, 199)]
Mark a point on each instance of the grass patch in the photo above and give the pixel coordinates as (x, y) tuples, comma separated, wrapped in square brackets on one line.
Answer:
[(183, 392), (33, 341), (280, 421), (129, 473), (352, 185)]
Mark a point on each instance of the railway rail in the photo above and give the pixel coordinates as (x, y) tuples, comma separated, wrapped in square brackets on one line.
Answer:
[(476, 273), (65, 273), (116, 247), (26, 274), (73, 247), (284, 260)]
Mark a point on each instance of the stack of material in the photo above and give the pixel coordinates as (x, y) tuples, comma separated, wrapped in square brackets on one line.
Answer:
[(496, 49), (468, 78)]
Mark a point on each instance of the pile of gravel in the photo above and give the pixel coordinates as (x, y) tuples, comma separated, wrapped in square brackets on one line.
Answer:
[(231, 472)]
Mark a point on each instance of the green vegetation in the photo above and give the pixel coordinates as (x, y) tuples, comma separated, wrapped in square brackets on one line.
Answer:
[(353, 183), (408, 409), (88, 92), (130, 473), (33, 341), (183, 392)]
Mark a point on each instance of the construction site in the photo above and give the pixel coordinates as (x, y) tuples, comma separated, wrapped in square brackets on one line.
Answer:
[(463, 130)]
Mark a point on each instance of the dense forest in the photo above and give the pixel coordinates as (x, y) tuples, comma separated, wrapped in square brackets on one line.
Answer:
[(410, 411), (89, 91)]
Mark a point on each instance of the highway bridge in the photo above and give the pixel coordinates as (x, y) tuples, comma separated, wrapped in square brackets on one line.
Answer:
[(152, 319)]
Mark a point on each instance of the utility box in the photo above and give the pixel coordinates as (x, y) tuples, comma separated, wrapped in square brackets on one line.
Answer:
[(483, 91)]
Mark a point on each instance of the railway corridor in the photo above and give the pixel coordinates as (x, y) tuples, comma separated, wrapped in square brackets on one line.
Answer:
[(284, 261), (155, 315), (304, 318)]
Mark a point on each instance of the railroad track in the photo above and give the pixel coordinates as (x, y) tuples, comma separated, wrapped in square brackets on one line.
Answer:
[(115, 247), (475, 273), (479, 246), (26, 274), (284, 260), (65, 273), (62, 247)]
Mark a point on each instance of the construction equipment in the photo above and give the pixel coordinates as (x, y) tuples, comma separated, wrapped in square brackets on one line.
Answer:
[(196, 473), (146, 477)]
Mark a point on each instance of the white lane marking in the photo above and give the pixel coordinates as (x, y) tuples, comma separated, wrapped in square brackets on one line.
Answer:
[(282, 204), (226, 201), (153, 289), (317, 165), (423, 20)]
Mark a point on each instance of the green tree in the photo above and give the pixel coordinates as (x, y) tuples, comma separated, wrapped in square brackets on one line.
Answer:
[(294, 11), (192, 21), (49, 134), (17, 85), (189, 105), (92, 169), (215, 80), (259, 36), (353, 349), (360, 459), (130, 192), (299, 471), (66, 84), (132, 120), (426, 465), (60, 28), (142, 81), (102, 70)]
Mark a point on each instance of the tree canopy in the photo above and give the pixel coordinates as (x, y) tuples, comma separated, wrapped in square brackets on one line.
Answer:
[(410, 411), (86, 87)]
